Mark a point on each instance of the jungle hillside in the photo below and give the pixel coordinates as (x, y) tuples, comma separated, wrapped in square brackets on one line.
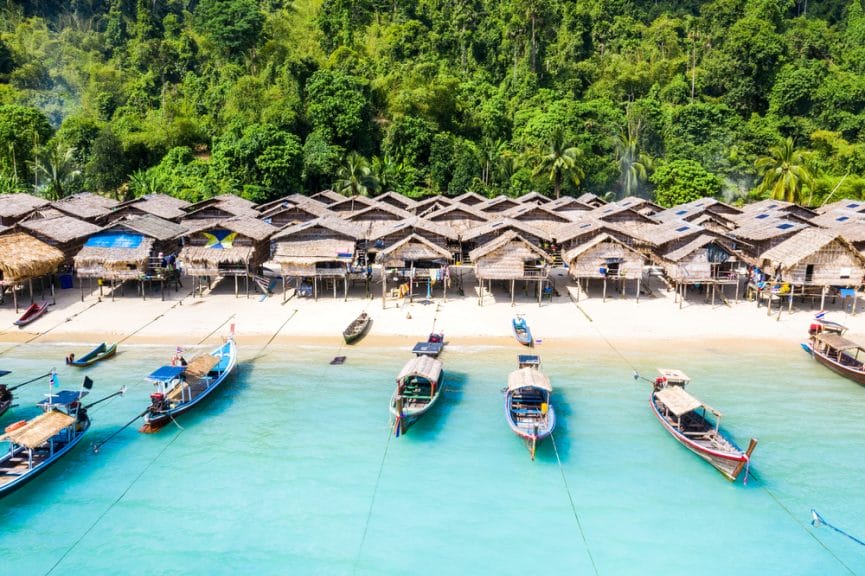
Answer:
[(670, 100)]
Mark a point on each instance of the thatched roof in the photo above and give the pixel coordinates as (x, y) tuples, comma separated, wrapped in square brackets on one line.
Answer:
[(248, 226), (383, 229), (641, 205), (529, 377), (567, 204), (590, 199), (702, 241), (498, 204), (503, 240), (499, 226), (412, 248), (150, 226), (765, 227), (101, 255), (374, 213), (845, 204), (587, 226), (327, 197), (285, 200), (197, 256), (87, 206), (312, 251), (61, 229), (22, 256), (690, 210), (578, 251), (470, 199), (227, 203), (614, 212), (161, 205), (332, 223), (39, 430), (677, 400), (534, 198), (803, 244), (664, 232), (351, 204), (469, 213), (838, 218), (18, 205), (396, 199), (537, 213), (424, 366)]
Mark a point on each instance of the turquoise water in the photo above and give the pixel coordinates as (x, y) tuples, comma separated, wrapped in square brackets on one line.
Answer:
[(290, 467)]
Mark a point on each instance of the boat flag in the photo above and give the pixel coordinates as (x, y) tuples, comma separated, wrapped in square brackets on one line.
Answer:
[(231, 332), (53, 379), (88, 383), (819, 315)]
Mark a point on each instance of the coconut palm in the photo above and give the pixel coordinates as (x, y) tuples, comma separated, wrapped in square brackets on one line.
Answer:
[(354, 177), (634, 165), (785, 172), (560, 162), (57, 166)]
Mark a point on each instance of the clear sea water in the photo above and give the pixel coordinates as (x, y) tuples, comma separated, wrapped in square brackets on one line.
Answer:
[(291, 468)]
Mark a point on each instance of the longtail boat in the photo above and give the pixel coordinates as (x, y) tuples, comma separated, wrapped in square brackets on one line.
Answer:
[(179, 388), (522, 332), (432, 347), (839, 354), (418, 387), (36, 444), (357, 329), (101, 352), (5, 394), (33, 312), (687, 420), (528, 410)]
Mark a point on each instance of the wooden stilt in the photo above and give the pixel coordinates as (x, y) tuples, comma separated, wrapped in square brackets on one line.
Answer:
[(383, 287), (235, 285), (315, 288), (283, 287), (713, 295), (81, 281), (53, 295), (605, 290), (823, 297), (540, 291), (480, 292), (345, 288), (639, 279), (15, 298), (30, 283), (512, 291)]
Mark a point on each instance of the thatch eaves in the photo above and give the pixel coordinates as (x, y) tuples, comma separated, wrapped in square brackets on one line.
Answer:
[(392, 198), (846, 204), (332, 223), (590, 199), (86, 206), (327, 197), (501, 225), (161, 205), (702, 241), (412, 248), (61, 229), (501, 241), (150, 226), (533, 198), (22, 256), (379, 212), (382, 229), (767, 227), (578, 251), (802, 245), (16, 206), (470, 198)]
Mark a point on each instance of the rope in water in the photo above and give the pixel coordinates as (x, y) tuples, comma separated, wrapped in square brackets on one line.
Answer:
[(372, 500), (817, 521), (751, 472), (113, 504), (573, 505)]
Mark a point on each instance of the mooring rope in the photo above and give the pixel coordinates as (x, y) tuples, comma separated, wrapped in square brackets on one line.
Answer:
[(113, 504), (261, 350), (40, 334), (154, 319), (372, 501), (203, 340), (817, 520), (573, 505)]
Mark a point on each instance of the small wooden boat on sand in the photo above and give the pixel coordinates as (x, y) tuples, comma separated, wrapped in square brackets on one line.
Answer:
[(418, 387), (522, 332), (33, 312), (687, 420), (838, 354), (357, 329), (179, 388), (101, 352), (432, 347), (528, 410), (36, 444)]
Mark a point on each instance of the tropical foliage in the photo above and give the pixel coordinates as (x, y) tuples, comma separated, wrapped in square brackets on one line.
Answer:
[(268, 97)]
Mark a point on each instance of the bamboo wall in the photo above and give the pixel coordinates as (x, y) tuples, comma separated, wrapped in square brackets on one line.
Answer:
[(506, 263), (589, 263), (828, 263)]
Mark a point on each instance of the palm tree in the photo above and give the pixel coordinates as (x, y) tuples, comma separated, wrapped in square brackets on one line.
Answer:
[(57, 166), (634, 165), (560, 161), (785, 172), (143, 182), (354, 177)]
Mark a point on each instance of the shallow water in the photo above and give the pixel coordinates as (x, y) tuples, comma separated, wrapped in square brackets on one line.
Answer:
[(291, 466)]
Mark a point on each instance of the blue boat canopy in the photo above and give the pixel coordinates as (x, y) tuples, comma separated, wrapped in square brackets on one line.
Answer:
[(64, 397), (4, 372), (166, 373)]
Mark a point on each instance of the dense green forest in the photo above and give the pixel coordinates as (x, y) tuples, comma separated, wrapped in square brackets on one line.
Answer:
[(668, 99)]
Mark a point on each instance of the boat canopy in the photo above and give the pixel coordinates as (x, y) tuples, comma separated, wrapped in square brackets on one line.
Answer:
[(167, 373), (4, 372), (201, 365), (528, 377), (677, 400), (528, 360), (674, 376), (423, 366), (837, 342), (39, 430), (63, 398)]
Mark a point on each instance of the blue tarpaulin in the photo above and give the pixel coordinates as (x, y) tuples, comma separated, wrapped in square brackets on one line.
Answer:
[(114, 240)]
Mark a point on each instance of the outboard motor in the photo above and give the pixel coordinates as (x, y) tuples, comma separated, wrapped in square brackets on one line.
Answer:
[(157, 402), (815, 328)]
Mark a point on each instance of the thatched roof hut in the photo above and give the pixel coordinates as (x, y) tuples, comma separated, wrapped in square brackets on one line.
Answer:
[(159, 205), (382, 235), (619, 214), (431, 204), (327, 197), (14, 207), (24, 257), (323, 247), (604, 257), (411, 250), (378, 213), (696, 208), (290, 213), (590, 199), (535, 198), (63, 232), (540, 216), (814, 257), (489, 231), (510, 257), (222, 206), (232, 247), (498, 204), (86, 206), (570, 207), (396, 199), (470, 199), (350, 205), (128, 249), (764, 231), (641, 205), (285, 200), (459, 217)]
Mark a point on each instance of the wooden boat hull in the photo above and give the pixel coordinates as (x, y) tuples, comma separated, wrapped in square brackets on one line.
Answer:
[(857, 376), (154, 421), (33, 312), (10, 487), (522, 333), (730, 464), (98, 354), (357, 329), (532, 436), (4, 406), (411, 415)]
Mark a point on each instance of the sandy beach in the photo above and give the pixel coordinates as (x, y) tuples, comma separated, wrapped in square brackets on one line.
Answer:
[(563, 322)]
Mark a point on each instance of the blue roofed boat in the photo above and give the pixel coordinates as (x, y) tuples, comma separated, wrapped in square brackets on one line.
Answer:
[(179, 388)]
